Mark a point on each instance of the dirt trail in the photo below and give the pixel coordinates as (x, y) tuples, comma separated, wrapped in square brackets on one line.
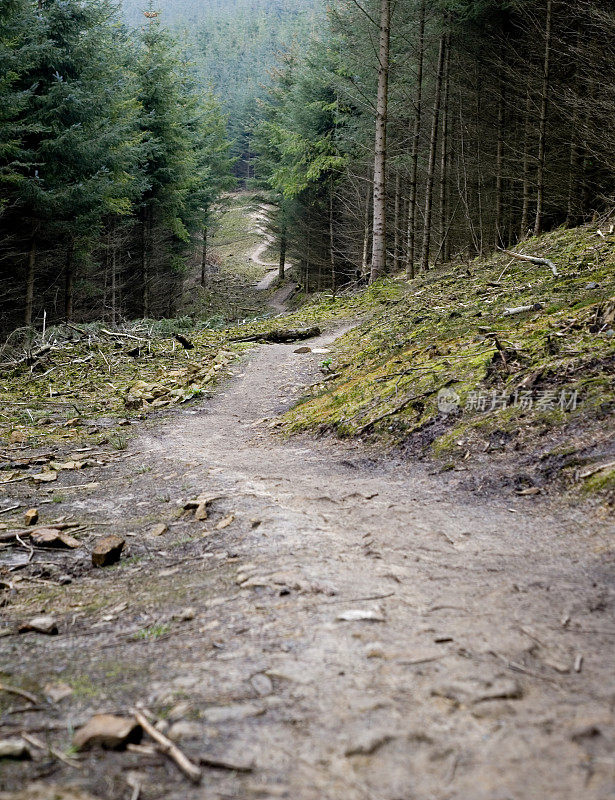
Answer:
[(461, 686), (280, 298)]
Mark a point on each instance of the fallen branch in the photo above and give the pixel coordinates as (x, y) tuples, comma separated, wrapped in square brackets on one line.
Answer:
[(511, 312), (32, 698), (541, 262), (36, 742), (123, 335), (167, 747), (587, 473), (280, 336)]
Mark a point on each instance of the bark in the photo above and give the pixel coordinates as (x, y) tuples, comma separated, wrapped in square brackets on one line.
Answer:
[(379, 246), (433, 143), (544, 109), (416, 137)]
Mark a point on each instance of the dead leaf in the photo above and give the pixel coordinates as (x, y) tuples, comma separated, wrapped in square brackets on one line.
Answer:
[(224, 523)]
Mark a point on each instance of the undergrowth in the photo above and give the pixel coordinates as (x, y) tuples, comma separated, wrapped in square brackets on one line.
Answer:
[(447, 343)]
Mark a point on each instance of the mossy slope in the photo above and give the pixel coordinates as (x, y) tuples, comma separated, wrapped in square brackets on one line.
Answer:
[(449, 330)]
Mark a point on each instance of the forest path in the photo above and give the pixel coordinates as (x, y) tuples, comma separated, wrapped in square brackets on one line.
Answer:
[(356, 628), (278, 301)]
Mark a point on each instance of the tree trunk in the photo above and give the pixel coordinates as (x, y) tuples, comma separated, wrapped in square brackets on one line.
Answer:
[(30, 274), (204, 258), (69, 282), (113, 280), (146, 249), (283, 245), (444, 158), (332, 239), (525, 213), (379, 245), (499, 178), (542, 135), (366, 228), (397, 222), (414, 159), (433, 144)]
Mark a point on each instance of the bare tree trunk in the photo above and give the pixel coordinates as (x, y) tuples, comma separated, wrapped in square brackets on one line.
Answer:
[(69, 282), (444, 158), (544, 108), (416, 138), (204, 258), (283, 246), (113, 280), (30, 275), (366, 228), (433, 144), (379, 244), (499, 178), (397, 221), (332, 239), (525, 213)]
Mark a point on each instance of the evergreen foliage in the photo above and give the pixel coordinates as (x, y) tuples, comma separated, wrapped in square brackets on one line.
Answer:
[(110, 164)]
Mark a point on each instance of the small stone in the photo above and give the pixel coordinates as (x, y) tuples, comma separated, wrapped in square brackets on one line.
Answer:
[(109, 732), (179, 711), (45, 477), (14, 748), (261, 684), (108, 551), (235, 711), (303, 350), (186, 615), (185, 730), (17, 437), (224, 523), (31, 516), (360, 614), (50, 537), (44, 624), (159, 529), (592, 285), (56, 692), (201, 512)]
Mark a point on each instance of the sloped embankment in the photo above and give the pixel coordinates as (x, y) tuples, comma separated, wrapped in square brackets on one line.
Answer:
[(477, 362)]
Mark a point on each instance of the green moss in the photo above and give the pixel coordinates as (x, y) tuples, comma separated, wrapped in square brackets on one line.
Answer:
[(444, 329)]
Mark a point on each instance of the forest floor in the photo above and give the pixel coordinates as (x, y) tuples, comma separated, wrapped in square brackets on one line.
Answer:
[(338, 623)]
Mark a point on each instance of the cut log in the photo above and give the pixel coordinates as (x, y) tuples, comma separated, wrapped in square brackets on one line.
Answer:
[(540, 262), (511, 312), (280, 336)]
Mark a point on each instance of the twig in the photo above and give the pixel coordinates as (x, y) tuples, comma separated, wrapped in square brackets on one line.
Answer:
[(32, 698), (36, 742), (167, 747), (10, 508), (28, 547)]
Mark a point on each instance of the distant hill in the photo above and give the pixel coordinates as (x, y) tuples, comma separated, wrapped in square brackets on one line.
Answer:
[(234, 44)]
